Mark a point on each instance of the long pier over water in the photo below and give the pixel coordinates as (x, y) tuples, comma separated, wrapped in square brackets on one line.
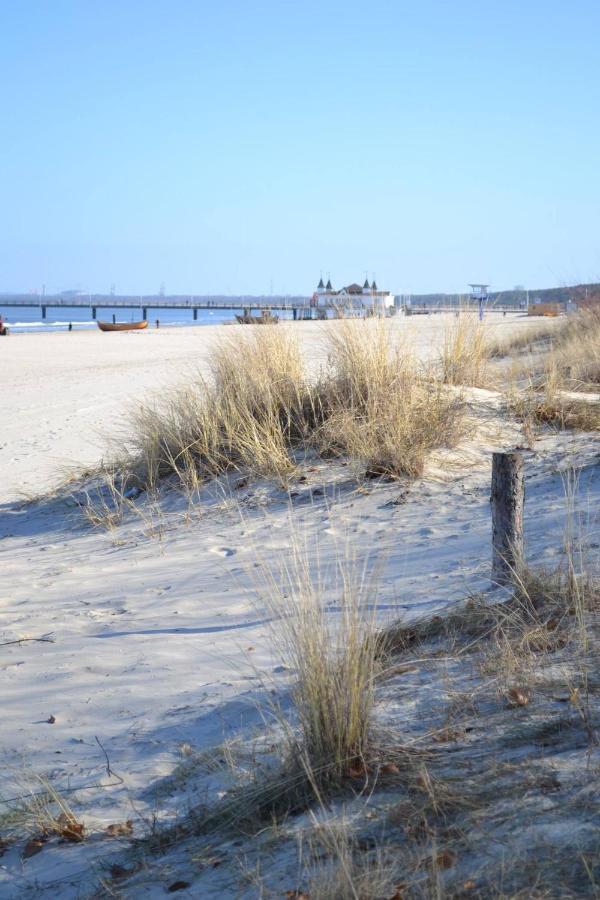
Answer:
[(93, 302)]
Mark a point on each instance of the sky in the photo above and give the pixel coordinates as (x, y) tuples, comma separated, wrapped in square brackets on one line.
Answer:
[(247, 146)]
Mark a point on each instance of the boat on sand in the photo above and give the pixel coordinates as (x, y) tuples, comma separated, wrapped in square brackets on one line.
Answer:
[(122, 326), (266, 317)]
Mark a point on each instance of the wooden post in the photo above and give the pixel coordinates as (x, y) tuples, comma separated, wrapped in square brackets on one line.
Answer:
[(508, 496)]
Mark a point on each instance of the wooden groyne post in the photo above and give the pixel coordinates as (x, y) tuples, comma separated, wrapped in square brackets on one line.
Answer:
[(508, 500)]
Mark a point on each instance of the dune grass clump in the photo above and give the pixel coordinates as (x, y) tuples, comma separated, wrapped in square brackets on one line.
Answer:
[(340, 869), (549, 610), (567, 348), (465, 351), (553, 387), (248, 413), (324, 630), (549, 402), (41, 812), (575, 350), (383, 409), (564, 413), (257, 409), (533, 338)]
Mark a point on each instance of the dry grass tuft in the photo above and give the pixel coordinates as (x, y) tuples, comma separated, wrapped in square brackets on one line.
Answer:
[(340, 870), (247, 414), (465, 351), (257, 408), (576, 350), (549, 387), (324, 629), (565, 353), (41, 813), (549, 403), (383, 410), (534, 338)]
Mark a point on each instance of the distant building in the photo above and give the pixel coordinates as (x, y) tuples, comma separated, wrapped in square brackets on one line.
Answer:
[(545, 309), (353, 296)]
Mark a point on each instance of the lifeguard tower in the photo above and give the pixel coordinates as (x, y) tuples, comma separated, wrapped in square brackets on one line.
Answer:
[(479, 293)]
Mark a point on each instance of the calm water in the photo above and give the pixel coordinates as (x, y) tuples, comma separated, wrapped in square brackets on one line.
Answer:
[(25, 319)]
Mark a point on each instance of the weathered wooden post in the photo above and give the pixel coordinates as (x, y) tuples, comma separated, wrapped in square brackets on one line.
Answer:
[(507, 499)]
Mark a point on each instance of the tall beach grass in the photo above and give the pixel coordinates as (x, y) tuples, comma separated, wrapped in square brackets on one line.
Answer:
[(257, 410), (324, 628)]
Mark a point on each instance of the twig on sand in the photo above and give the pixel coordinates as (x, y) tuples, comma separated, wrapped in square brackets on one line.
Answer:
[(109, 771), (45, 640)]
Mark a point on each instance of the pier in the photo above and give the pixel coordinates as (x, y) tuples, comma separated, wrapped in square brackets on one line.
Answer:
[(301, 307)]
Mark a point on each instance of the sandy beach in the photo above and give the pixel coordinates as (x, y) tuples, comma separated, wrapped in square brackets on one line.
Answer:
[(66, 393), (300, 451), (146, 644)]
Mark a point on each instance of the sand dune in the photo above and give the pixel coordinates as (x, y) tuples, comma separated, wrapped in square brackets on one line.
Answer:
[(156, 647), (64, 393)]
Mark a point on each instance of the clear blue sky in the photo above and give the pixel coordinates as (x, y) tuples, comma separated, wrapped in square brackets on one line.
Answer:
[(232, 146)]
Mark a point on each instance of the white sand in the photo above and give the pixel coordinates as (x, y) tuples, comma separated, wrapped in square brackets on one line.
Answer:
[(156, 641), (63, 393)]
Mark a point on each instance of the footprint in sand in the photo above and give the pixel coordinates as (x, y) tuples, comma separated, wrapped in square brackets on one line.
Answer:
[(223, 551)]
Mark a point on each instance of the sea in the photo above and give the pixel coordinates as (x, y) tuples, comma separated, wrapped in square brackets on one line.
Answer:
[(24, 319)]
